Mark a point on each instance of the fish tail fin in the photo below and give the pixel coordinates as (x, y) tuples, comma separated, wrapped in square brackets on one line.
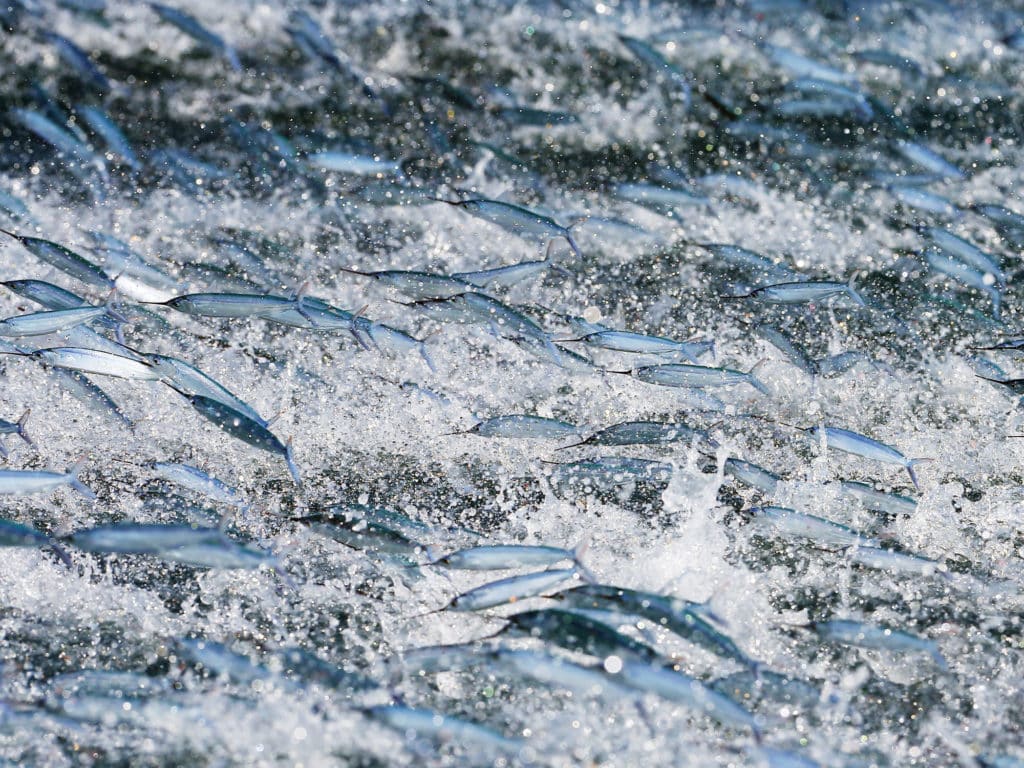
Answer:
[(572, 244), (851, 288), (578, 553), (552, 350), (292, 467), (77, 484), (61, 553), (22, 433), (910, 470), (425, 354), (755, 382), (434, 555)]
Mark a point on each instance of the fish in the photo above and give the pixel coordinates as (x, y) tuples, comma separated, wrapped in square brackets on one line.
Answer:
[(645, 433), (443, 728), (880, 637), (878, 501), (929, 160), (493, 557), (752, 475), (677, 686), (803, 292), (418, 285), (191, 27), (141, 538), (844, 440), (54, 321), (691, 621), (790, 522), (522, 426), (79, 60), (65, 260), (240, 426), (638, 343), (94, 361), (112, 136), (504, 277), (511, 589), (27, 482), (517, 220), (183, 376), (657, 63), (562, 674), (967, 252), (65, 142), (355, 529), (228, 304), (195, 479), (686, 375), (576, 632), (357, 165)]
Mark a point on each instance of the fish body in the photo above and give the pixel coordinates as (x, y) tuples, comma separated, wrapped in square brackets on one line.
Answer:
[(864, 635), (685, 375), (517, 220), (443, 728), (191, 27), (511, 590), (861, 445), (677, 686), (504, 556), (98, 362), (789, 522), (803, 292), (524, 426), (65, 260), (751, 474), (242, 427), (24, 482), (195, 479), (50, 321)]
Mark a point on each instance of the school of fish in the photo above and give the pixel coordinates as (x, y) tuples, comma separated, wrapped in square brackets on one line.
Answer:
[(604, 383)]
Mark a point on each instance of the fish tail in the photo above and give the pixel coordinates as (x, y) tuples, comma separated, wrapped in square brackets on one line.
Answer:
[(578, 552), (757, 384), (572, 243), (21, 427), (61, 553), (851, 288), (292, 468), (426, 357), (79, 486), (910, 470), (232, 56), (552, 351)]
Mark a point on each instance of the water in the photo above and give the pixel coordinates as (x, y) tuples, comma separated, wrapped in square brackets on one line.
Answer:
[(372, 429)]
